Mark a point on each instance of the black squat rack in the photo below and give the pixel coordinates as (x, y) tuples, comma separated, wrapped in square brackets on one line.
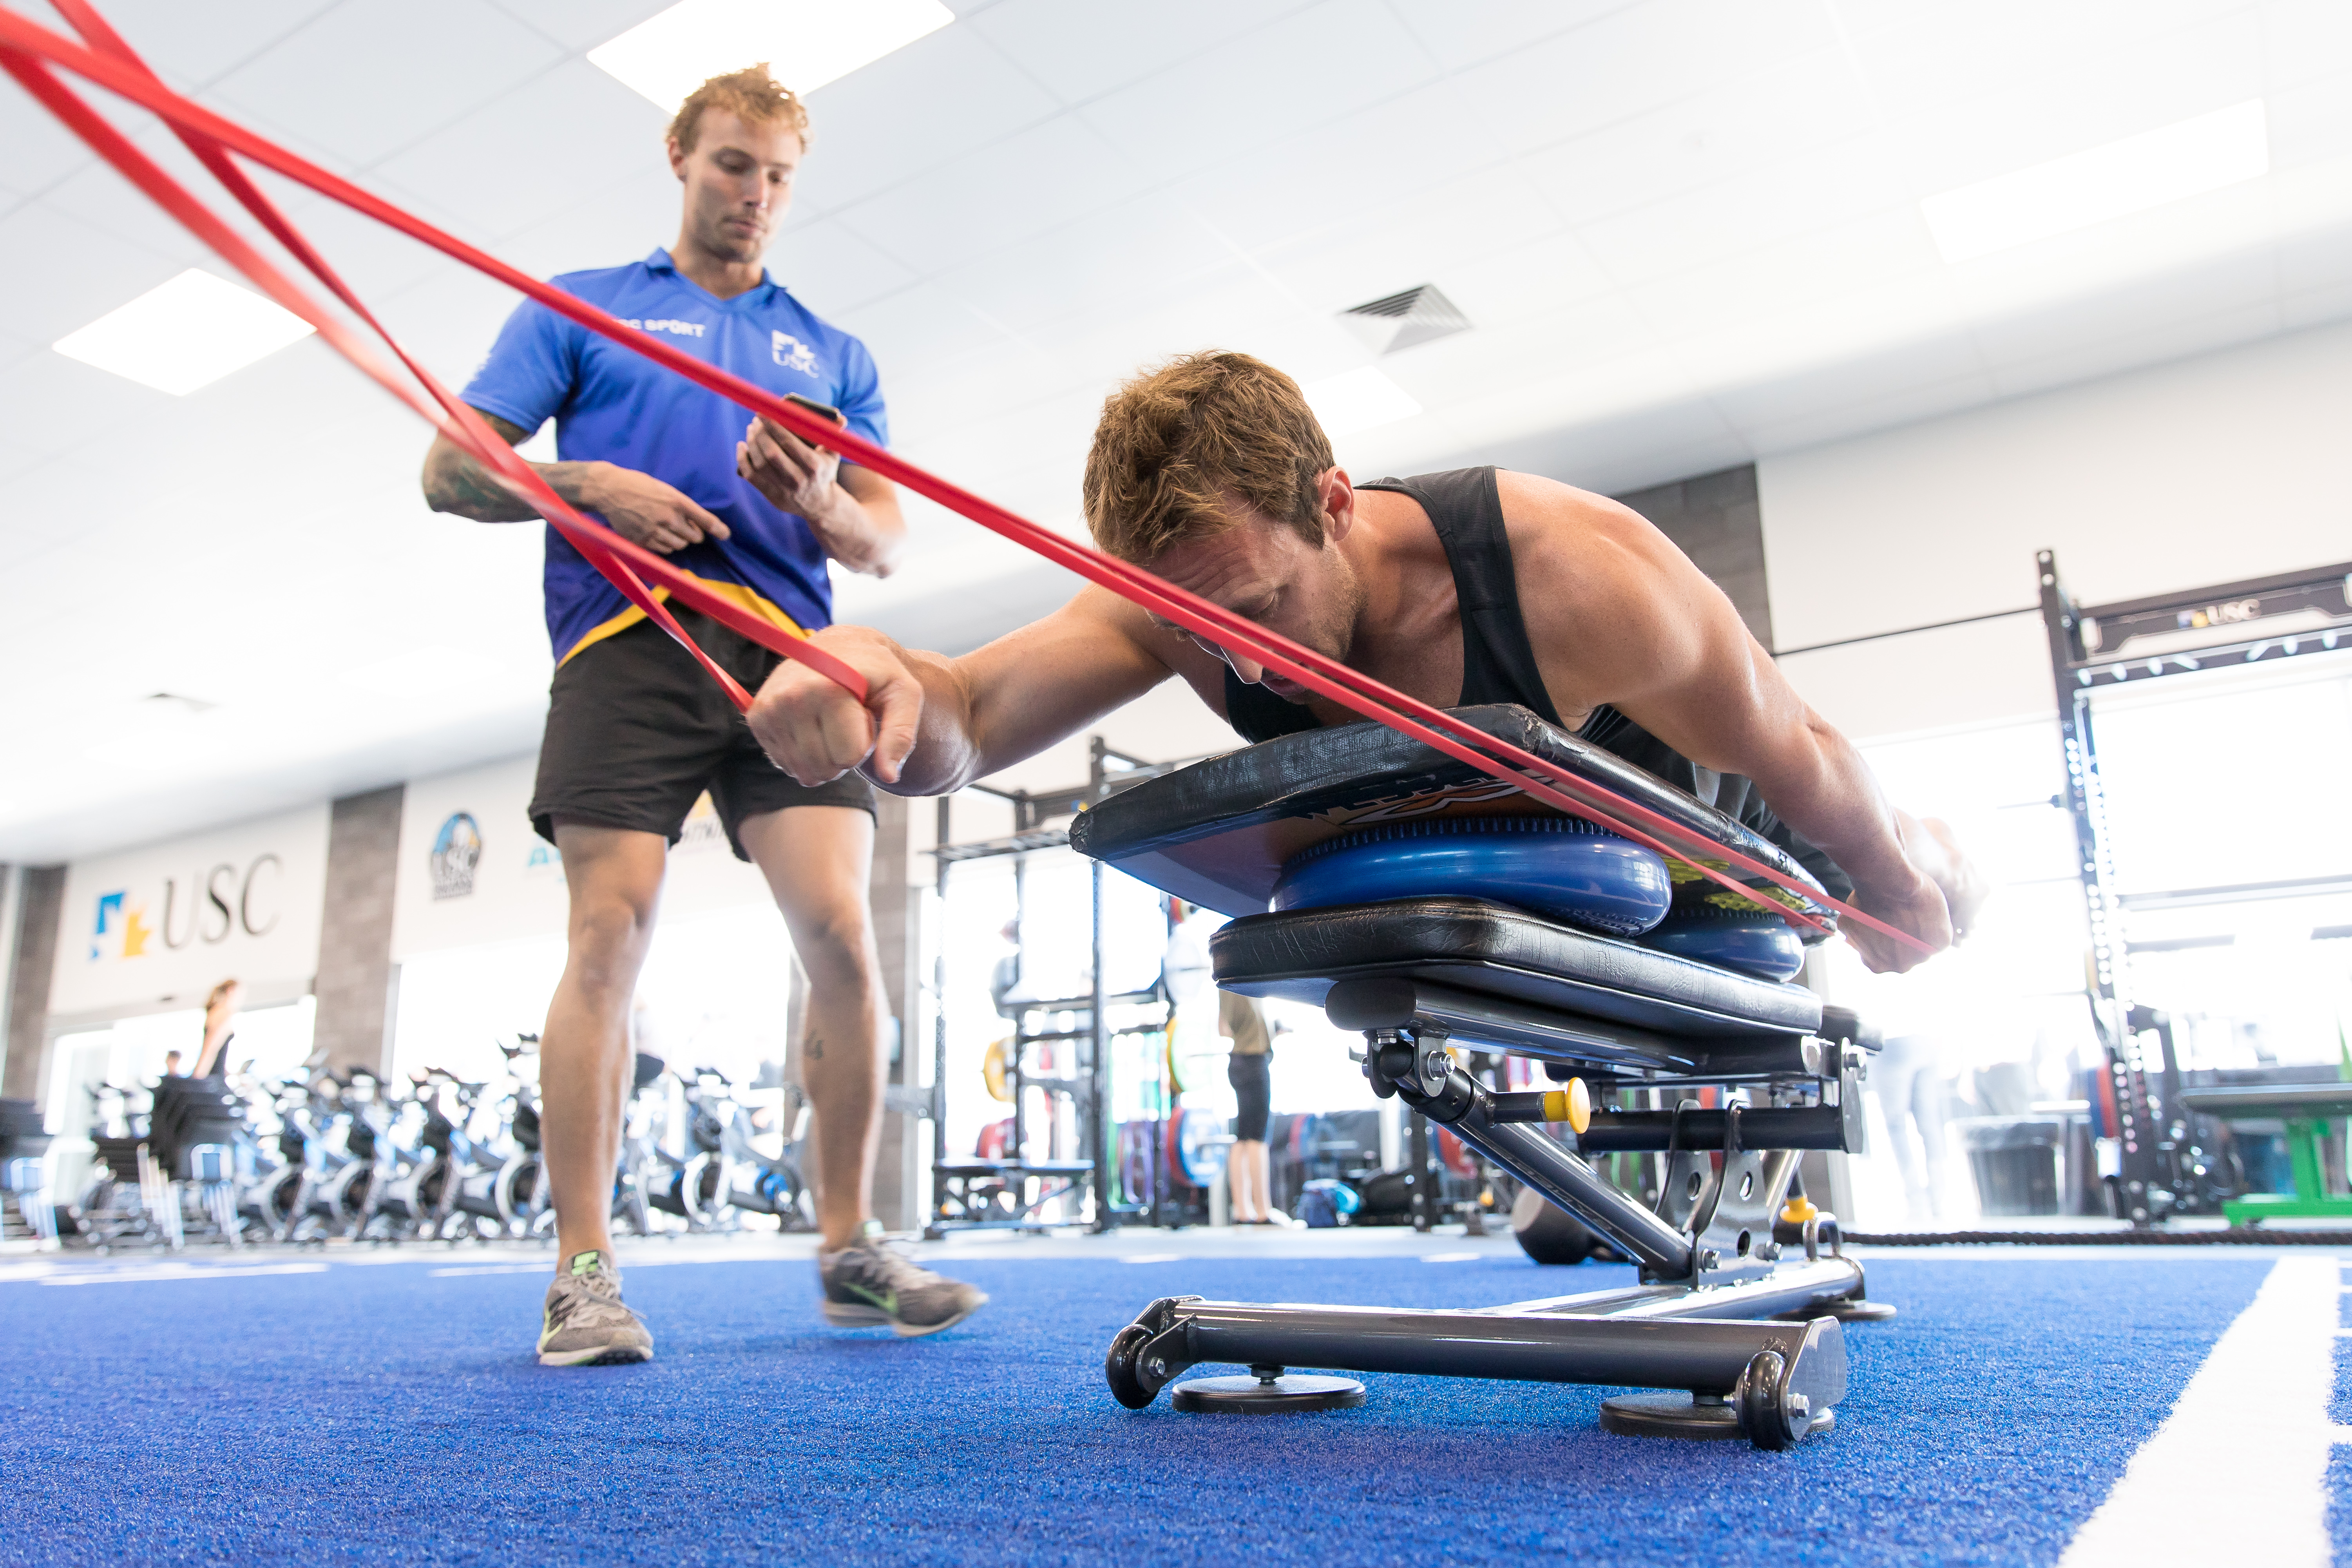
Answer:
[(2096, 646), (1010, 1192)]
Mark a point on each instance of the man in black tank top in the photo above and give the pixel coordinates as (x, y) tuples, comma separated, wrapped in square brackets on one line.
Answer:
[(1474, 586)]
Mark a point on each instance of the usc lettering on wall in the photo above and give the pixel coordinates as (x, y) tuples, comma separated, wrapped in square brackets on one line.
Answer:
[(161, 925)]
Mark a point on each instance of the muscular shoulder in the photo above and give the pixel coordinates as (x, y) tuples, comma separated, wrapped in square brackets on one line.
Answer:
[(1605, 596), (1570, 546)]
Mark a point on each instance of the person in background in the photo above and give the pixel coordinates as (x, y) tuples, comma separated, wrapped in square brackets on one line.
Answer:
[(220, 1028), (1249, 1169), (171, 1064)]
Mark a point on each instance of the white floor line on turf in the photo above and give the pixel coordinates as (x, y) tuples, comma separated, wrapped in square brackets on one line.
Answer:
[(181, 1271), (2238, 1472)]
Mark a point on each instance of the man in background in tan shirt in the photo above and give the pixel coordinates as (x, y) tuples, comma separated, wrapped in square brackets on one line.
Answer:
[(1247, 1169)]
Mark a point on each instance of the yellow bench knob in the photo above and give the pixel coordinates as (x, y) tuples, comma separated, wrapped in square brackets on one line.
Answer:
[(1799, 1209), (1572, 1105)]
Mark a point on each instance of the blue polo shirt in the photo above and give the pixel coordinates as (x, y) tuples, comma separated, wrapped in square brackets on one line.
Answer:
[(612, 404)]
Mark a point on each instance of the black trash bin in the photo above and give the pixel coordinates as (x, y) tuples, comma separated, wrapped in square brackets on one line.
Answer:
[(2015, 1159)]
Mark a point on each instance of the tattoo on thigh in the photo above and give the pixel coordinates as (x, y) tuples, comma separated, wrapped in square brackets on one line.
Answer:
[(816, 1047)]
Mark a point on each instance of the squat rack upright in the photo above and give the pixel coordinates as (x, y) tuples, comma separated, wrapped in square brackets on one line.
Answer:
[(2095, 647), (956, 1182)]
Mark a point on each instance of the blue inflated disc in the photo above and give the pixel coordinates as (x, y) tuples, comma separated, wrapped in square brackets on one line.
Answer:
[(1556, 865), (1749, 941)]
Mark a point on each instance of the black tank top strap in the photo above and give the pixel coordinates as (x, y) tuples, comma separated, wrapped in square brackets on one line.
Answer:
[(1498, 663)]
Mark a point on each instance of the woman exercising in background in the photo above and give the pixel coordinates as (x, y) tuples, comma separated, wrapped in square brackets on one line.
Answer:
[(220, 1028), (1241, 1020)]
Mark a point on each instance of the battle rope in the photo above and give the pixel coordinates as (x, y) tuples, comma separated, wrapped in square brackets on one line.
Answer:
[(210, 136)]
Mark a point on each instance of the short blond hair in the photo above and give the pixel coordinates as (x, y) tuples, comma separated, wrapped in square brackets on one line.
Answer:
[(751, 95), (1178, 445)]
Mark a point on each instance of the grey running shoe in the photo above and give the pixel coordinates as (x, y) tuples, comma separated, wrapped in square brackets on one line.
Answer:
[(871, 1283), (586, 1324)]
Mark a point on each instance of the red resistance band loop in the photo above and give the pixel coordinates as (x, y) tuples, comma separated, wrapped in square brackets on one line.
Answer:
[(208, 134)]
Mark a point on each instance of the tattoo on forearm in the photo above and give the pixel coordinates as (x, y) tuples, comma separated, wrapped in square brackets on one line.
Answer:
[(459, 484), (816, 1047)]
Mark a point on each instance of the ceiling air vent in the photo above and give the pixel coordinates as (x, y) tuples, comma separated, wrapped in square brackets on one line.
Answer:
[(1399, 320)]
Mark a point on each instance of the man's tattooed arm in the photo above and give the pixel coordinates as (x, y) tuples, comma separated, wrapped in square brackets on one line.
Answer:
[(455, 483)]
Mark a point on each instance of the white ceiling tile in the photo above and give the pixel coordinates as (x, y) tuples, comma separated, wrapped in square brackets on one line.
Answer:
[(448, 321), (68, 274), (1808, 193), (1030, 183), (830, 268), (1928, 358), (624, 222), (2150, 344), (1365, 164), (194, 44), (1080, 49), (535, 150), (1771, 433), (1525, 280), (1746, 127), (1127, 256), (1224, 106), (583, 24), (1840, 262), (921, 326), (1531, 352), (2305, 40), (2142, 310), (1635, 61), (1460, 36), (2311, 125), (422, 81), (865, 135), (1342, 271), (2036, 105)]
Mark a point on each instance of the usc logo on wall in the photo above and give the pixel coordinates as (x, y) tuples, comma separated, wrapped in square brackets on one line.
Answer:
[(208, 909)]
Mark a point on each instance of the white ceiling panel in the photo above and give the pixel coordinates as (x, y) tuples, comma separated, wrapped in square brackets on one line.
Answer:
[(2311, 124), (67, 274), (2125, 351), (862, 139), (1030, 183), (189, 45), (1458, 37), (1131, 255), (583, 24), (541, 149), (1783, 429), (826, 261), (1304, 70), (430, 61), (1705, 141), (1081, 50), (1636, 60)]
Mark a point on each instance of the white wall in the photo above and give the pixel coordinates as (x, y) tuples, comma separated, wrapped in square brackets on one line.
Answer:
[(2210, 469)]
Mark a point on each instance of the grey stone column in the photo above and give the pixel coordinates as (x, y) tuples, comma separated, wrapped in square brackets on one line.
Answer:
[(355, 983), (897, 1170), (1716, 521), (40, 900)]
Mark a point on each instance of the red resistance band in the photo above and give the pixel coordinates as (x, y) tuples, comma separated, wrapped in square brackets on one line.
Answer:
[(211, 137)]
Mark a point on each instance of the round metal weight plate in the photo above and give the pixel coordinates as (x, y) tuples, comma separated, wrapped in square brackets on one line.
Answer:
[(1677, 1416), (1250, 1395)]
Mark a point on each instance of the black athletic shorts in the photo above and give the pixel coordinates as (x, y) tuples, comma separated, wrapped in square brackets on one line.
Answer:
[(1251, 1077), (636, 731)]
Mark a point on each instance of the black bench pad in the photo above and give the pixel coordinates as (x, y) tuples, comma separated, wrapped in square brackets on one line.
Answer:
[(1219, 832), (1499, 951)]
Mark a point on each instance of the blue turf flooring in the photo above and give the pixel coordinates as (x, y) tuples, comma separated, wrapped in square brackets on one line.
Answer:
[(377, 1414)]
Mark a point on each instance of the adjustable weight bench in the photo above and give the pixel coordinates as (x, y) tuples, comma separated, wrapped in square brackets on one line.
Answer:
[(1750, 1335)]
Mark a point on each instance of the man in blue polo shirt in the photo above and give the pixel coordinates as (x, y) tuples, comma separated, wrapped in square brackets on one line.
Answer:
[(636, 731)]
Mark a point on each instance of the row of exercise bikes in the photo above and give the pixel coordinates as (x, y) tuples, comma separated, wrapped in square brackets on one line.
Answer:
[(354, 1157)]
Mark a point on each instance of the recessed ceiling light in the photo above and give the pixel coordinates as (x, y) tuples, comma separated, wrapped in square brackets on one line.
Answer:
[(2168, 164), (183, 335), (1358, 400), (806, 42)]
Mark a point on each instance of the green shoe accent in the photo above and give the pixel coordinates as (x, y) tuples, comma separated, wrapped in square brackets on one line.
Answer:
[(589, 1262)]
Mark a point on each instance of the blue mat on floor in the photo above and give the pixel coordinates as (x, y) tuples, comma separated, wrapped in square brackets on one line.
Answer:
[(380, 1415)]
